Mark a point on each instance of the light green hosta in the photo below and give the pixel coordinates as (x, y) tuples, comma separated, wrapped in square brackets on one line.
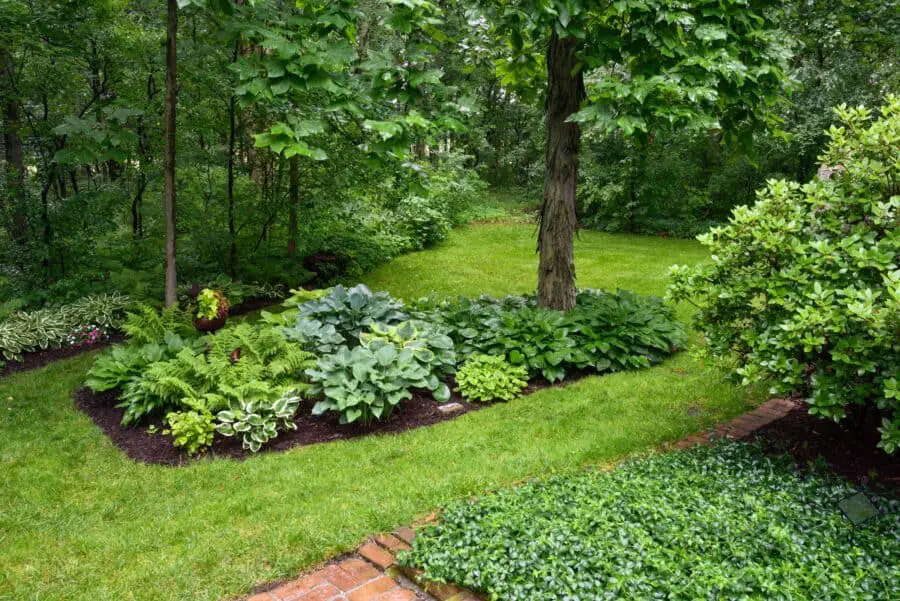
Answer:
[(491, 377), (804, 286)]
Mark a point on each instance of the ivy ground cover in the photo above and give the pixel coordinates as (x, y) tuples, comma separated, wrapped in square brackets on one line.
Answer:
[(79, 520), (720, 522)]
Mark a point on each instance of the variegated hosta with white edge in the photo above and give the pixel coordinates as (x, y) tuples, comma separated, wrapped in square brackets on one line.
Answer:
[(258, 422)]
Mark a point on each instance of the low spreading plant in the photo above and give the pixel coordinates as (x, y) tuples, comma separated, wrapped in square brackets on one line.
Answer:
[(490, 378), (259, 421), (803, 290), (86, 335), (30, 331), (191, 430), (720, 522)]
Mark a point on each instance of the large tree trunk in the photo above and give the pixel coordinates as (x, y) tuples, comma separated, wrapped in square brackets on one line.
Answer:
[(12, 150), (294, 203), (565, 91), (169, 201)]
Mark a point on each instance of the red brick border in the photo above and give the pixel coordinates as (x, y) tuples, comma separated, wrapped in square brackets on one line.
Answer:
[(372, 572)]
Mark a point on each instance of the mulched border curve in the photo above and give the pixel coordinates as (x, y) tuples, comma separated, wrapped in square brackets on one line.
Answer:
[(394, 582), (157, 448)]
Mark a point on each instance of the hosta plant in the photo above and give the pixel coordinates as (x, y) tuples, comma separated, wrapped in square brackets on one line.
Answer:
[(192, 430), (366, 383), (803, 289), (258, 422), (490, 377), (352, 311)]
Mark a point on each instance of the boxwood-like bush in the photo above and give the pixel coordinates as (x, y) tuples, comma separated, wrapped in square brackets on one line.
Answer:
[(804, 286)]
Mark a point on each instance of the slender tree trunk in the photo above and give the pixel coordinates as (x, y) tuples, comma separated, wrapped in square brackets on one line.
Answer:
[(565, 91), (169, 200), (232, 251), (232, 142), (12, 150), (294, 194)]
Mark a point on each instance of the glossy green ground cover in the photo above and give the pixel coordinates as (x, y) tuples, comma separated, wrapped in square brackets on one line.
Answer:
[(722, 522), (78, 520)]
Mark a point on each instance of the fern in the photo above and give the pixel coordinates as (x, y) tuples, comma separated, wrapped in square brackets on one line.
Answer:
[(146, 325), (210, 375)]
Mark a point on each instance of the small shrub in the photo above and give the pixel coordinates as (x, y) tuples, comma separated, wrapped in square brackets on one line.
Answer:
[(191, 430), (258, 422), (422, 222), (490, 377), (804, 286)]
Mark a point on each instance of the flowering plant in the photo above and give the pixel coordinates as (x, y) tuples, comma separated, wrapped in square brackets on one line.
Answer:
[(87, 335), (211, 304)]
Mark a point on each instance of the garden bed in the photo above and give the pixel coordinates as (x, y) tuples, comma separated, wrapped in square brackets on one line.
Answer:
[(852, 454), (157, 448), (38, 359), (41, 358)]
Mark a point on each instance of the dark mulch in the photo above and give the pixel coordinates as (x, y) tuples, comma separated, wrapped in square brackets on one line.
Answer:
[(140, 445), (851, 453), (41, 358), (248, 305)]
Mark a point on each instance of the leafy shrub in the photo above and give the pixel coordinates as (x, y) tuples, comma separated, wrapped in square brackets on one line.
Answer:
[(352, 311), (367, 382), (421, 222), (804, 286), (48, 328), (644, 531), (191, 430), (490, 377)]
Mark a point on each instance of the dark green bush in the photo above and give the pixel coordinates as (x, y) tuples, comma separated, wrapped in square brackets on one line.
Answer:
[(721, 522), (804, 286)]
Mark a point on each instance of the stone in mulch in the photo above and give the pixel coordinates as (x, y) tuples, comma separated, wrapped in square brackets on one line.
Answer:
[(373, 574)]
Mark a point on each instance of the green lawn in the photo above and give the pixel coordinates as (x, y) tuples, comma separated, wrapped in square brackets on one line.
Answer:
[(78, 520)]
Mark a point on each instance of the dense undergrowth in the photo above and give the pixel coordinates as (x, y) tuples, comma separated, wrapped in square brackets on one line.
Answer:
[(722, 522)]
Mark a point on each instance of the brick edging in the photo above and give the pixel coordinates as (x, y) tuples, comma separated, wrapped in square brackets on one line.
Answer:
[(372, 573)]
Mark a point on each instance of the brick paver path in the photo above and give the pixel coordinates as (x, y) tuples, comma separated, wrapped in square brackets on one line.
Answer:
[(372, 574)]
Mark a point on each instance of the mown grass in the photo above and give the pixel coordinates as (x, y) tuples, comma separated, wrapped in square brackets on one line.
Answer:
[(78, 520)]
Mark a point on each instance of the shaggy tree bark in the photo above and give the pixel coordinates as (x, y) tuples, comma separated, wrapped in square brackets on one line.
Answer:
[(169, 196), (565, 91)]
